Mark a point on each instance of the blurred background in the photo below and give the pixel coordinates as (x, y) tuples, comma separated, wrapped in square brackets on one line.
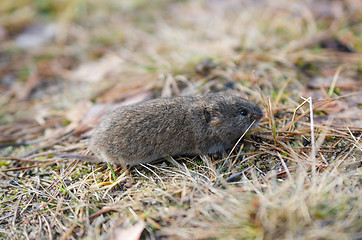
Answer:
[(60, 61)]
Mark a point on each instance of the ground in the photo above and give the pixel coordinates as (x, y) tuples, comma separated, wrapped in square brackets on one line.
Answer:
[(296, 176)]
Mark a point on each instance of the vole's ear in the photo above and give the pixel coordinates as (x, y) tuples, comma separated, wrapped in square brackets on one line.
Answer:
[(211, 116)]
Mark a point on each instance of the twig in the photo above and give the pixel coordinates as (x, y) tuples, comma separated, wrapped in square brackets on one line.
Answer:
[(335, 78), (302, 115), (29, 167), (236, 175), (285, 166), (16, 210), (357, 143), (50, 234), (313, 153)]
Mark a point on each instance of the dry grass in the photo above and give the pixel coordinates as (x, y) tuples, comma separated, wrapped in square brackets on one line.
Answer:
[(297, 176)]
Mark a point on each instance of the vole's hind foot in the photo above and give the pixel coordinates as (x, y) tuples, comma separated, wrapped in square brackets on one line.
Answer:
[(112, 160)]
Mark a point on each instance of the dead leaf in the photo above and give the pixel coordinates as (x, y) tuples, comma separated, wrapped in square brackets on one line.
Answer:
[(97, 70), (129, 87), (131, 233), (343, 83), (77, 113), (333, 107), (351, 117), (93, 116), (138, 96)]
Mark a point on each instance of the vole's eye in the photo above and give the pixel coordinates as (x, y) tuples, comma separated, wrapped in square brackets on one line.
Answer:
[(244, 112)]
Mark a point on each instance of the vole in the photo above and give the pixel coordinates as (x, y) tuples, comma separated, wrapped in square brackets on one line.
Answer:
[(183, 125)]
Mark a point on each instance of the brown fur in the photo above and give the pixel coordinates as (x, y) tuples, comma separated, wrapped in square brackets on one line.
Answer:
[(163, 127)]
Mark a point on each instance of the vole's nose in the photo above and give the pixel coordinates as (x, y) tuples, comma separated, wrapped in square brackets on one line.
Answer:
[(258, 114)]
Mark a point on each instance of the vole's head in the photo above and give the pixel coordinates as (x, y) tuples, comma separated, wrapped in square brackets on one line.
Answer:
[(229, 116)]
